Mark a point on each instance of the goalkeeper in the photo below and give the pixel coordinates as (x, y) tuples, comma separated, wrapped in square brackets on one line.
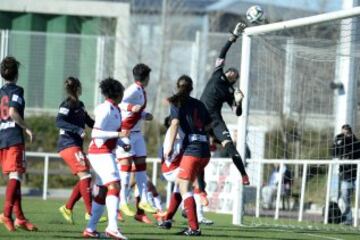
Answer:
[(220, 90)]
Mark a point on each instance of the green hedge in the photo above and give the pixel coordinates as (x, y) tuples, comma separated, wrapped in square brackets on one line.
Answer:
[(45, 140), (46, 135), (313, 143)]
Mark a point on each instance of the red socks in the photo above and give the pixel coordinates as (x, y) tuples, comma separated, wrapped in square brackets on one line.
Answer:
[(17, 204), (190, 208), (75, 196), (85, 191), (11, 195), (175, 202), (81, 189)]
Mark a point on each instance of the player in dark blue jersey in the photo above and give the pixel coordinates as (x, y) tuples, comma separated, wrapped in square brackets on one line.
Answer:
[(12, 144), (71, 120), (191, 116), (220, 90)]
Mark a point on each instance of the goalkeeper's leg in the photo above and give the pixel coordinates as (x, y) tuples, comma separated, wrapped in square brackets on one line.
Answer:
[(222, 134), (231, 150)]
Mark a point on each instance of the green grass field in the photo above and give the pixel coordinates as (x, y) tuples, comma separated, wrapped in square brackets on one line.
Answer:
[(45, 215)]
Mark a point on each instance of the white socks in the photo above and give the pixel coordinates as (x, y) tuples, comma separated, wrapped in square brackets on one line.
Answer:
[(157, 202), (141, 182), (112, 203), (199, 207), (125, 180)]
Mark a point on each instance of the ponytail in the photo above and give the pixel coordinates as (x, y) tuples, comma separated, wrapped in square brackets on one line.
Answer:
[(72, 86), (184, 86)]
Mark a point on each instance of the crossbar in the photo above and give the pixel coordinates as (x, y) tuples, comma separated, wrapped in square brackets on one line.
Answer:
[(321, 18)]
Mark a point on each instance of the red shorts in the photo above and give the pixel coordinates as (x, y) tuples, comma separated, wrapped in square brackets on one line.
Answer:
[(12, 159), (75, 159), (190, 167)]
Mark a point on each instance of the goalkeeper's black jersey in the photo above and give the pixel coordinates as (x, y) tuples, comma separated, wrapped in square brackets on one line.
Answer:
[(217, 92)]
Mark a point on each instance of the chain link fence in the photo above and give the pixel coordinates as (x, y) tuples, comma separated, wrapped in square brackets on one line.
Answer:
[(48, 58)]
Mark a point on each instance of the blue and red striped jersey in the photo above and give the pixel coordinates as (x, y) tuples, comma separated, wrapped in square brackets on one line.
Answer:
[(71, 120), (193, 117), (11, 134)]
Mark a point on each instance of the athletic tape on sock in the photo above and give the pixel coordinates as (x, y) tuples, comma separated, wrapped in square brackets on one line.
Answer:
[(187, 195)]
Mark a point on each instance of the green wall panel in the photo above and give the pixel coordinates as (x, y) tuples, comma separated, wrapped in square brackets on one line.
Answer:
[(88, 58), (29, 50), (47, 57), (61, 57)]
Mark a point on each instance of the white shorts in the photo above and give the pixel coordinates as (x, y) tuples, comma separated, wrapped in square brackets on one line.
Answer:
[(171, 175), (105, 168), (138, 147)]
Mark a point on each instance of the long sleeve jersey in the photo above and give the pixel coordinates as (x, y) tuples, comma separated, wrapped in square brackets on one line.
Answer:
[(134, 95), (71, 120), (105, 132), (218, 90)]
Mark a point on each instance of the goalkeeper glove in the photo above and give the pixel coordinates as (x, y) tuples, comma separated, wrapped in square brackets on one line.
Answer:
[(239, 28), (126, 147), (238, 96)]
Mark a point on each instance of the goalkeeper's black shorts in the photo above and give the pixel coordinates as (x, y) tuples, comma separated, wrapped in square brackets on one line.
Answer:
[(219, 130)]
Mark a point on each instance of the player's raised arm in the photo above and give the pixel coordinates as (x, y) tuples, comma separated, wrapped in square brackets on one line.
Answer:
[(220, 61)]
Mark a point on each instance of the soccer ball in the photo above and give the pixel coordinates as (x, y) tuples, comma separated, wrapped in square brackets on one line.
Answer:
[(255, 14)]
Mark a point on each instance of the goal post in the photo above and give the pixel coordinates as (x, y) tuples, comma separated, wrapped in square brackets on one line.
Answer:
[(309, 53)]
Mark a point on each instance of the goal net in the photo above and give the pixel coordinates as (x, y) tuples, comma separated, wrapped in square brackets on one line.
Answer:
[(302, 87)]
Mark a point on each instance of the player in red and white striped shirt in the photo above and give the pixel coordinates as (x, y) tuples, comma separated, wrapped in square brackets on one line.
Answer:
[(105, 134), (133, 111)]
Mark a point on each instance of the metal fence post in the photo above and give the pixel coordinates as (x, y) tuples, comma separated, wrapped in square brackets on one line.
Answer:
[(302, 196), (168, 194), (45, 181), (4, 46), (357, 192), (258, 190), (279, 189), (327, 199), (154, 172)]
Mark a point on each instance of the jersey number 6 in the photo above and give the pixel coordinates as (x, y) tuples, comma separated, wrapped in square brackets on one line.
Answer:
[(4, 108)]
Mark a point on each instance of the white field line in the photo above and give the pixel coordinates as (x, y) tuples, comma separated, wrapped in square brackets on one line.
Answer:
[(322, 237), (308, 234)]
